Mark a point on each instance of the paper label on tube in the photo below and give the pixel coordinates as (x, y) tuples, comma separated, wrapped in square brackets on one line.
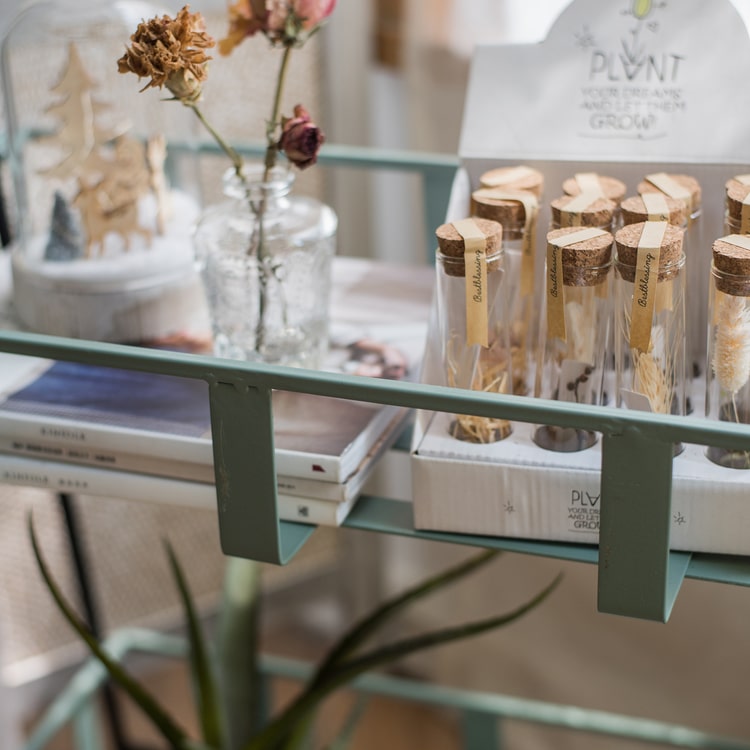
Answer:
[(656, 206), (738, 240), (554, 279), (555, 294), (570, 215), (589, 182), (644, 285), (475, 262), (531, 210), (671, 187), (745, 215)]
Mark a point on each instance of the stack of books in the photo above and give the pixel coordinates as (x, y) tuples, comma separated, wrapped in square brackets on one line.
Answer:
[(101, 431)]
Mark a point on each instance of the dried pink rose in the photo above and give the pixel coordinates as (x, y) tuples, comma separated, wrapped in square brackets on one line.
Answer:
[(306, 13), (286, 21), (301, 138)]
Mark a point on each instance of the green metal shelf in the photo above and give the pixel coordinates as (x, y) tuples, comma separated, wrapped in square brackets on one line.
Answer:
[(639, 576), (386, 516)]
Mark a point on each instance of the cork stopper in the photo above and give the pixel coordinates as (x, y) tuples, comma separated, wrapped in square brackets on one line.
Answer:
[(670, 252), (737, 193), (612, 188), (514, 178), (598, 213), (585, 263), (733, 263), (738, 179), (633, 210), (683, 180), (510, 213), (451, 245)]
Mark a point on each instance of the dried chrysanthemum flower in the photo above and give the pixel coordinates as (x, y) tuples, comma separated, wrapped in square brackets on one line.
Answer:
[(731, 360), (171, 52)]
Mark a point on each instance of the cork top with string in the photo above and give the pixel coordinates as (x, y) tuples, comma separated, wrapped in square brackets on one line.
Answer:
[(568, 211), (634, 210), (451, 246), (585, 262), (509, 212), (684, 181), (514, 178), (627, 241), (609, 187), (733, 261)]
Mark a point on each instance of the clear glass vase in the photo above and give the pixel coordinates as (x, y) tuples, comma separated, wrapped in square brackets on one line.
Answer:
[(265, 258)]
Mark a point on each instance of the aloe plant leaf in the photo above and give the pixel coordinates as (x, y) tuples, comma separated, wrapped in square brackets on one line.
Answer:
[(386, 654), (204, 684), (171, 731), (365, 628), (346, 671)]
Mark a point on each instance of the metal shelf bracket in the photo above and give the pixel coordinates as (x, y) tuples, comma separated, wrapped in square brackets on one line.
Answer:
[(242, 429), (641, 579)]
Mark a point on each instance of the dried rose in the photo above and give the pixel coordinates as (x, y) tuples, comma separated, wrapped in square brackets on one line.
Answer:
[(301, 138), (285, 21), (170, 51), (246, 17), (306, 14)]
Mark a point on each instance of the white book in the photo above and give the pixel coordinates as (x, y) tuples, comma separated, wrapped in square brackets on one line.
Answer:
[(141, 463), (378, 317), (65, 477)]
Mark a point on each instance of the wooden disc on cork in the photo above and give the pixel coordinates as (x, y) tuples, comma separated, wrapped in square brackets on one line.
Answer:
[(634, 211), (685, 181), (733, 260), (514, 178), (452, 245), (627, 240), (610, 187), (598, 213), (587, 262)]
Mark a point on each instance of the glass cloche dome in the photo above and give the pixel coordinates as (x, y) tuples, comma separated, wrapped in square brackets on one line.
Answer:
[(103, 217)]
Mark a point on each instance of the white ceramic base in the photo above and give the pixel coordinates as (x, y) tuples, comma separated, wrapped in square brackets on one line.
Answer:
[(149, 292)]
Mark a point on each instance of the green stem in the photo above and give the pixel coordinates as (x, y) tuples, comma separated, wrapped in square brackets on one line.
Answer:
[(235, 158), (272, 148), (272, 151)]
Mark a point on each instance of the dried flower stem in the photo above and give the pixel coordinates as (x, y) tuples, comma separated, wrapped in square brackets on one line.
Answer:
[(272, 151), (234, 157), (272, 148)]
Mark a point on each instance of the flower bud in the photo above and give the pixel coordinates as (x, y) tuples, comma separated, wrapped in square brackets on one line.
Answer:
[(184, 85), (301, 139)]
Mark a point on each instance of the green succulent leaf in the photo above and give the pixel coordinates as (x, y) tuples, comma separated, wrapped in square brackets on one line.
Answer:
[(345, 671), (352, 640), (169, 729), (204, 684)]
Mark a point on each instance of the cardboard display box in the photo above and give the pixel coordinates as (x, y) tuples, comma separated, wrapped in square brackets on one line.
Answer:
[(623, 92)]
